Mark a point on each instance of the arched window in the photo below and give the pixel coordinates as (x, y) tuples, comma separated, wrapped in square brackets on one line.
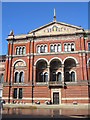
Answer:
[(45, 48), (21, 78), (38, 49), (17, 51), (69, 47), (72, 47), (55, 48), (89, 63), (65, 47), (20, 51), (51, 48), (42, 49), (59, 48), (54, 76), (41, 77), (88, 46), (16, 77), (67, 77), (23, 50), (45, 77), (1, 78), (59, 76), (72, 76)]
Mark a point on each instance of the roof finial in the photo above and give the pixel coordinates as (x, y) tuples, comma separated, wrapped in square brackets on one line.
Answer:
[(54, 17), (54, 11)]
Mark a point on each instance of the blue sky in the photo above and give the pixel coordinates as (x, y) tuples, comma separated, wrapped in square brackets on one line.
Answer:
[(23, 17)]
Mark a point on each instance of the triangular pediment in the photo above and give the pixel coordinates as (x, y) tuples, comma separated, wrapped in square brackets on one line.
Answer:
[(55, 28)]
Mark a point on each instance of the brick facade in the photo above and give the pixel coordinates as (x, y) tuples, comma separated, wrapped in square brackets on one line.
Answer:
[(31, 63)]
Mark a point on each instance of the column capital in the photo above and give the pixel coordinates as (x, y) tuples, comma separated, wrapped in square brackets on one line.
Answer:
[(48, 66), (62, 65), (34, 66)]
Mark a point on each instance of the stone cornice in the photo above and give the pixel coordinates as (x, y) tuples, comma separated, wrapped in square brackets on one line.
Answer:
[(45, 54), (26, 36)]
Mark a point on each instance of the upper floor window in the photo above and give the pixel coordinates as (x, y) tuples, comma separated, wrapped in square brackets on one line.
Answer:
[(23, 50), (45, 48), (19, 77), (45, 77), (51, 48), (59, 76), (16, 77), (70, 77), (59, 48), (20, 50), (67, 47), (38, 49), (17, 51), (72, 47), (89, 62), (73, 76), (42, 49), (55, 48), (88, 46)]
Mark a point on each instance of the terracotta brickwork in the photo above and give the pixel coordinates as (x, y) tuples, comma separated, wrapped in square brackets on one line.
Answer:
[(30, 62)]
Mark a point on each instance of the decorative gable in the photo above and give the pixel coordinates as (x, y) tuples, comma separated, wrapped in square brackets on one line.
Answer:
[(56, 28)]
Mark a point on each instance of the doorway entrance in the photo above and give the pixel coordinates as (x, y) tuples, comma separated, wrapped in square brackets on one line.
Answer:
[(55, 97)]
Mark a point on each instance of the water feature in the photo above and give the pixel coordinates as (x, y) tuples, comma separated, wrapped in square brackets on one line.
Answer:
[(45, 113)]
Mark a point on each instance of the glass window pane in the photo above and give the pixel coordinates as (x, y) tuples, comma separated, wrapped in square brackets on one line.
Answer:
[(20, 93), (0, 93), (51, 48), (59, 76), (41, 77), (21, 77), (45, 77), (42, 49), (65, 47), (16, 77), (55, 48), (15, 93), (23, 50), (69, 47), (20, 51), (1, 78), (54, 76), (45, 48), (73, 76), (59, 48), (72, 47), (38, 49), (88, 46), (67, 77), (89, 63)]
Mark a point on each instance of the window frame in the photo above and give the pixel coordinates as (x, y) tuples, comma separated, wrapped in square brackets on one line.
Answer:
[(89, 46)]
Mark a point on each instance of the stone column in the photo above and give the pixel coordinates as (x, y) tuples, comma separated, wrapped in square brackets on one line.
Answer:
[(62, 73), (34, 74), (12, 75), (48, 73)]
